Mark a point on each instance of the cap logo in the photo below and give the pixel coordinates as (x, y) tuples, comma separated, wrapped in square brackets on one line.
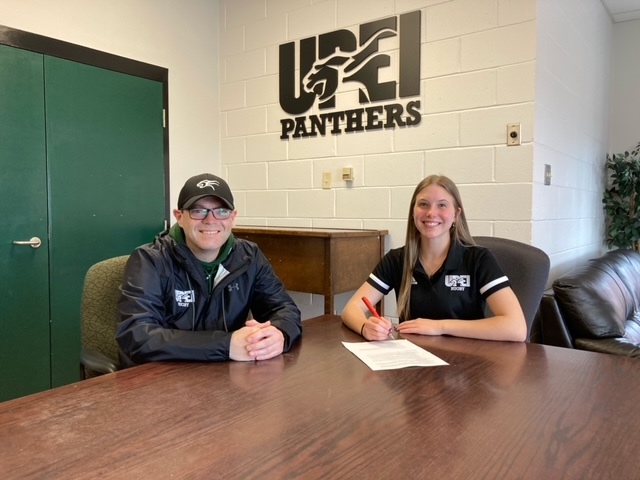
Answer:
[(208, 183)]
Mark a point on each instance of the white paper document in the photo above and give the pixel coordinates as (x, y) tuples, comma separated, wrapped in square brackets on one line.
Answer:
[(390, 354)]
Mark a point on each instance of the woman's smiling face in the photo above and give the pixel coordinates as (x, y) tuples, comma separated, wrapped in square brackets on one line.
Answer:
[(434, 211)]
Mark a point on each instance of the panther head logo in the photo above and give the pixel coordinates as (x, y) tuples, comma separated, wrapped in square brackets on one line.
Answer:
[(208, 183), (326, 74)]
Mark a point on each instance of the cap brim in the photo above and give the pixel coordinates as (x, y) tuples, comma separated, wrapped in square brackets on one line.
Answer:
[(193, 200)]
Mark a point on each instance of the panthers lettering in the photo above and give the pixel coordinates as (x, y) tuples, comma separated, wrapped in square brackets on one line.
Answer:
[(358, 120)]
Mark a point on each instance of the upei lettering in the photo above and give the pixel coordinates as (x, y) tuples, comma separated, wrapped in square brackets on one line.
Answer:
[(457, 282), (332, 59)]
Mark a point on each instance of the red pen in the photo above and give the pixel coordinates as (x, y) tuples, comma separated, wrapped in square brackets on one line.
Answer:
[(374, 312)]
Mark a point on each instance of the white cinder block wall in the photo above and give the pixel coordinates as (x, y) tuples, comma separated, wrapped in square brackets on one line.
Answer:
[(485, 63), (574, 40), (477, 75), (625, 127)]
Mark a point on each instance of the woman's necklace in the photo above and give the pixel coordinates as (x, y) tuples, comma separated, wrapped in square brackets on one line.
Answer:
[(428, 267)]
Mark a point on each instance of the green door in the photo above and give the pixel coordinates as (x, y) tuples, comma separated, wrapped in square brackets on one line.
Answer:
[(24, 271), (106, 171), (96, 190)]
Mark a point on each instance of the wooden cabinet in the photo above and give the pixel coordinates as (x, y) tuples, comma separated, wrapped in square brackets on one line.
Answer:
[(318, 260)]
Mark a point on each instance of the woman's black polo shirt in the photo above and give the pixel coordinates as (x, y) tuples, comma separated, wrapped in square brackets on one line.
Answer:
[(459, 290)]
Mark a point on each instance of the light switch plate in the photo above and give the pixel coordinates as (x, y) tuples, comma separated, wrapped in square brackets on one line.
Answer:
[(547, 174), (326, 180)]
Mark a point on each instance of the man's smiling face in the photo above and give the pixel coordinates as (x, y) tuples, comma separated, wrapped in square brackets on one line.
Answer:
[(205, 237)]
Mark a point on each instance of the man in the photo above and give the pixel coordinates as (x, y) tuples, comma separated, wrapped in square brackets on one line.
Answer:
[(188, 295)]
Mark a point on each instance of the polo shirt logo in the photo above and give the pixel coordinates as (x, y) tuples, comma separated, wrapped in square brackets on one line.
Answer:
[(457, 283), (184, 298)]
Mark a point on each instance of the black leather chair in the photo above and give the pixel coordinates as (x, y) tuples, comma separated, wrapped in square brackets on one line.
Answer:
[(99, 317), (527, 268), (596, 306)]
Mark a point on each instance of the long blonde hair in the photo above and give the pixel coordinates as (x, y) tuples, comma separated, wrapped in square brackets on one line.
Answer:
[(459, 232)]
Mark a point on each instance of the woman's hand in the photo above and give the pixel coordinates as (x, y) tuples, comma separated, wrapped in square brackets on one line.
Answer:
[(377, 329), (421, 326)]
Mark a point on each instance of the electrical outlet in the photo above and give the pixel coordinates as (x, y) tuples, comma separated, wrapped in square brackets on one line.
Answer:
[(326, 180), (513, 134), (347, 174)]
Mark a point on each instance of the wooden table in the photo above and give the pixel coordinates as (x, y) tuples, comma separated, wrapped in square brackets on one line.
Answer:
[(323, 261), (498, 411)]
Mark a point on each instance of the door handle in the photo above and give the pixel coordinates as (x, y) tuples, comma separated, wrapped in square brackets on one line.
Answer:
[(33, 243)]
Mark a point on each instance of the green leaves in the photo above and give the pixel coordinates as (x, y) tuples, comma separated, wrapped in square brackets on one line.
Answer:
[(622, 200)]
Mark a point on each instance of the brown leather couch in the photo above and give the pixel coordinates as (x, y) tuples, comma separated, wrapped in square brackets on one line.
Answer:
[(594, 307)]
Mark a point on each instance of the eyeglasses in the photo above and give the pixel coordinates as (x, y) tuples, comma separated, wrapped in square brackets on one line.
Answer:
[(220, 213)]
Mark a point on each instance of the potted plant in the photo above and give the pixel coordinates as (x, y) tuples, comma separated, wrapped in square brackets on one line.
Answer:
[(622, 200)]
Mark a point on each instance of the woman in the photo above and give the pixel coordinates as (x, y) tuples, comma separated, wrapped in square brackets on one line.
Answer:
[(441, 278)]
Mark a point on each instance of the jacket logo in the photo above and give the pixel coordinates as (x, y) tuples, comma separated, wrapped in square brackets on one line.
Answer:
[(457, 282), (183, 299), (233, 286)]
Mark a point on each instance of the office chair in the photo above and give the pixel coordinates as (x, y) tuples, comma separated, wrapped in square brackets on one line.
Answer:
[(527, 268), (98, 317)]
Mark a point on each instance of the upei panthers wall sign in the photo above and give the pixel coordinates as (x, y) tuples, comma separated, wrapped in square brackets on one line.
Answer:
[(328, 61)]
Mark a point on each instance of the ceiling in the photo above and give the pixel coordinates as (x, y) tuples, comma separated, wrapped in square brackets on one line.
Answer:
[(622, 10)]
